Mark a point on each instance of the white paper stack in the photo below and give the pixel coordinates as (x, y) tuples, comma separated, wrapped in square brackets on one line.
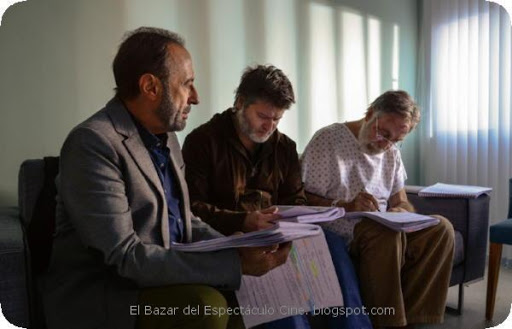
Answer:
[(306, 214), (306, 282), (397, 221), (440, 190), (278, 233)]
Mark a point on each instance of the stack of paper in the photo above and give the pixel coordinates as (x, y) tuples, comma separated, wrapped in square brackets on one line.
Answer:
[(305, 214), (307, 282), (397, 221), (279, 233), (441, 190)]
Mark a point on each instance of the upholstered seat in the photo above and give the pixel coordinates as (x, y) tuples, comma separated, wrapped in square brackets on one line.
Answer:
[(470, 219), (18, 289), (501, 232), (25, 242), (13, 290)]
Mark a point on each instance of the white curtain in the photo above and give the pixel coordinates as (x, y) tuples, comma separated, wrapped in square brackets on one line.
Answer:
[(465, 85)]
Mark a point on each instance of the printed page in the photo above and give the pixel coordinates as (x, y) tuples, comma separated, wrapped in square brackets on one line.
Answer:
[(394, 217), (454, 190), (308, 214), (292, 211), (279, 233), (400, 217), (305, 282)]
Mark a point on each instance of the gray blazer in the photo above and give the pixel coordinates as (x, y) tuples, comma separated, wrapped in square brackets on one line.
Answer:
[(112, 235)]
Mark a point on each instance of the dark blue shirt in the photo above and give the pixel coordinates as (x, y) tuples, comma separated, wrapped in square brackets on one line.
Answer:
[(160, 155)]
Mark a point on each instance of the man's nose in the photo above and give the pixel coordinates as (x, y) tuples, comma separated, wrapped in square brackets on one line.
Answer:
[(267, 126), (194, 96)]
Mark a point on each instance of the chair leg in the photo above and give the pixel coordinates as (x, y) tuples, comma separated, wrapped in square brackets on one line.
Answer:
[(460, 302), (461, 299), (492, 280)]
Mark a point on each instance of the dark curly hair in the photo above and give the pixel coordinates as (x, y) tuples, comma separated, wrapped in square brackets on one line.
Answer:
[(265, 83), (143, 50)]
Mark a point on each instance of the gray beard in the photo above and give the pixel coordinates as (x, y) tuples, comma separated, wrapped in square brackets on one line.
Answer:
[(243, 125), (364, 141)]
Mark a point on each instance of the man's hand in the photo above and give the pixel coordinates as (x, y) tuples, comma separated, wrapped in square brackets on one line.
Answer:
[(259, 260), (397, 209), (362, 202), (261, 219)]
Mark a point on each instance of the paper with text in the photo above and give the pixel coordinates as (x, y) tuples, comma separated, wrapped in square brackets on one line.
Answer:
[(309, 214), (305, 282)]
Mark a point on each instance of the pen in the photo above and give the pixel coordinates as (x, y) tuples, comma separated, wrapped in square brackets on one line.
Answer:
[(364, 190)]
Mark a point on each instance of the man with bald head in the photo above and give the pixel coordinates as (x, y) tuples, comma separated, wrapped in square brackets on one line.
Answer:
[(123, 201), (357, 165)]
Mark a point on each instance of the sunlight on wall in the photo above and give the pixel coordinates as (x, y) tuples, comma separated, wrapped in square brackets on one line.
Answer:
[(323, 61), (374, 53), (353, 66), (396, 56), (351, 43), (337, 54), (225, 74), (281, 41)]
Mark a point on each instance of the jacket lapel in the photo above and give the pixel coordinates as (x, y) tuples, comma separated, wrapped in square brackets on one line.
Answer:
[(179, 171), (124, 125)]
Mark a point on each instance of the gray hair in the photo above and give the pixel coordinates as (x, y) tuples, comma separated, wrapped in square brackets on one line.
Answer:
[(397, 102)]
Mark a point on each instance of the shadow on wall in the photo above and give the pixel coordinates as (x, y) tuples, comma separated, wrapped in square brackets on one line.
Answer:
[(339, 54)]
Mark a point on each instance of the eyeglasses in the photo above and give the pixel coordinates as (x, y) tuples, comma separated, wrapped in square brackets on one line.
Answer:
[(380, 137)]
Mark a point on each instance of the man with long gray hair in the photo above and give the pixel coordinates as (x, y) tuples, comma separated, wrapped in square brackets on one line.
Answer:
[(357, 165)]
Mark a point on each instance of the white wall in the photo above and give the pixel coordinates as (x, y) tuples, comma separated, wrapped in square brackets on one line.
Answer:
[(55, 62)]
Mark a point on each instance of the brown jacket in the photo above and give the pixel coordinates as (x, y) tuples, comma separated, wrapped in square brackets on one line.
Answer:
[(224, 182)]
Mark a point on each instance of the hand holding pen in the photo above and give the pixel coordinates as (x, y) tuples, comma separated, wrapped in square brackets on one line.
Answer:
[(364, 201)]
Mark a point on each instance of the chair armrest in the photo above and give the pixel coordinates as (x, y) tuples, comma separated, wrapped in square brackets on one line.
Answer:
[(468, 216), (13, 289)]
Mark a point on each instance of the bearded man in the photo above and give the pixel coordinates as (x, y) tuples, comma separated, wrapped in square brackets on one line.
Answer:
[(357, 165), (239, 166), (123, 200)]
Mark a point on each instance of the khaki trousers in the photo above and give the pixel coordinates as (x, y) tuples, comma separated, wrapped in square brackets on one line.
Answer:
[(409, 272), (184, 308)]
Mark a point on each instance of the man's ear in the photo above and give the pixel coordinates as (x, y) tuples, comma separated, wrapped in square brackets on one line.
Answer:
[(239, 103), (369, 114), (150, 86)]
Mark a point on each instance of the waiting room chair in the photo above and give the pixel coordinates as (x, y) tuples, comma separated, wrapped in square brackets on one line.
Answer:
[(470, 219), (19, 258), (499, 234), (26, 241)]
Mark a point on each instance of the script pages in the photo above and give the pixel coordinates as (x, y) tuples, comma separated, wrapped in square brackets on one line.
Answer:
[(397, 221), (278, 233), (306, 282), (441, 190), (308, 214)]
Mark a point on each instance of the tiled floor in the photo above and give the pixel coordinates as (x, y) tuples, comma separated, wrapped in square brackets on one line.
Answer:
[(473, 316)]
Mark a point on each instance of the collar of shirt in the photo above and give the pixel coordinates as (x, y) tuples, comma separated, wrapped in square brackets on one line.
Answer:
[(159, 153), (150, 140)]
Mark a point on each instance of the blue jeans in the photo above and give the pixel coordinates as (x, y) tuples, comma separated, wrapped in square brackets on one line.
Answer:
[(349, 285)]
